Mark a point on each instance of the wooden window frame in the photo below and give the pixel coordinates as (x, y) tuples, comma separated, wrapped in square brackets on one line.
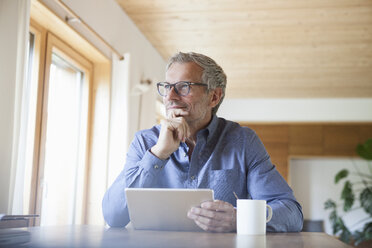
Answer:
[(55, 45), (45, 24)]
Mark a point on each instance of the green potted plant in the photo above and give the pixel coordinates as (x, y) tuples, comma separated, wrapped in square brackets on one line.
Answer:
[(349, 198)]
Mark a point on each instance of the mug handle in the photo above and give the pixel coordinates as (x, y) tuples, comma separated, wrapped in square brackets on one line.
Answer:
[(270, 213)]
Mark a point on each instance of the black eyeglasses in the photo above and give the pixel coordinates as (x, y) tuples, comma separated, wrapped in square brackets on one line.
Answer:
[(181, 88)]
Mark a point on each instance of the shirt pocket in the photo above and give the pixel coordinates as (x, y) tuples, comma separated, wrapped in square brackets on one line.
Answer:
[(224, 183)]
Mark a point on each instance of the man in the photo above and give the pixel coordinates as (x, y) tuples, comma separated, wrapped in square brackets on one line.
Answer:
[(193, 148)]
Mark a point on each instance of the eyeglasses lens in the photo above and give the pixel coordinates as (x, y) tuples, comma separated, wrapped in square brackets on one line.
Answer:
[(181, 88)]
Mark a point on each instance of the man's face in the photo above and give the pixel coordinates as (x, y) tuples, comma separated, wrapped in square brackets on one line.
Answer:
[(194, 107)]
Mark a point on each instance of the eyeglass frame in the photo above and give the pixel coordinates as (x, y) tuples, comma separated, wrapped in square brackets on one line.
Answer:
[(175, 89)]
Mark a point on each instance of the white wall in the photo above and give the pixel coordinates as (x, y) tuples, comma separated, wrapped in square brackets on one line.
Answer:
[(312, 181), (297, 110), (13, 28)]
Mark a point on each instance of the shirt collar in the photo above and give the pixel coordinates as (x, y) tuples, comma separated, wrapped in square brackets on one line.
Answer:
[(212, 127), (209, 131)]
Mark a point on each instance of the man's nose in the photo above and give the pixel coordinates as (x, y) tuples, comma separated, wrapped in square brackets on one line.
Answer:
[(171, 94)]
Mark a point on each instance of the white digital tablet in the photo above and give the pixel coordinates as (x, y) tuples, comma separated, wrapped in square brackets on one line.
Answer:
[(164, 209)]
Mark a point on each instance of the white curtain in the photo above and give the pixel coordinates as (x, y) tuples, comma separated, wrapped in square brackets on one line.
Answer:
[(14, 28), (119, 117)]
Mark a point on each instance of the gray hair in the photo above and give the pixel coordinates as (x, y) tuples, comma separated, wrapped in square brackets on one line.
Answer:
[(213, 75)]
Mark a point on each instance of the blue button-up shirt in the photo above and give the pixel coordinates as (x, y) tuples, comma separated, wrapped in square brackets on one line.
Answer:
[(227, 158)]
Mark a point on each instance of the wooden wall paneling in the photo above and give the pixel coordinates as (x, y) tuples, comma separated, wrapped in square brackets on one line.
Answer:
[(275, 139), (279, 156), (283, 141), (365, 132), (340, 140), (276, 133), (305, 139)]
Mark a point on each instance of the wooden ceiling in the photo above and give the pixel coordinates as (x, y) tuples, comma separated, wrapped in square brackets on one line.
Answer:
[(269, 48)]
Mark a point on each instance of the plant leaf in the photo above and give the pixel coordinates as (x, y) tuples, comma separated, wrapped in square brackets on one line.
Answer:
[(365, 150), (358, 237), (341, 174), (335, 223), (348, 196), (367, 230), (329, 204), (333, 216), (345, 235), (339, 225), (364, 235), (366, 200)]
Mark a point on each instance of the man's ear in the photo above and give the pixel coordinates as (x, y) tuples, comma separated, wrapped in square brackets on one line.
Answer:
[(215, 97)]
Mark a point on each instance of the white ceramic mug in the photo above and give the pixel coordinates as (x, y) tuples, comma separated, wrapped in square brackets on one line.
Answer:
[(251, 216)]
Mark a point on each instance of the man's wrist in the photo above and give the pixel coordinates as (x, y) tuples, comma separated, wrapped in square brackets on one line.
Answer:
[(156, 151)]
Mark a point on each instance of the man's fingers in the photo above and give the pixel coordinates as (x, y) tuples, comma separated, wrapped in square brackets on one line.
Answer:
[(173, 130), (173, 113), (180, 112), (212, 214), (202, 219), (210, 222), (180, 128), (215, 216), (177, 127), (217, 205)]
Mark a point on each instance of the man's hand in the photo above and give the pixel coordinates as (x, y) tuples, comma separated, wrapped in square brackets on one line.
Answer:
[(173, 130), (214, 216)]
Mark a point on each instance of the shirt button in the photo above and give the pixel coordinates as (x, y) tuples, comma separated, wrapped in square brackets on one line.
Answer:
[(156, 167), (192, 177)]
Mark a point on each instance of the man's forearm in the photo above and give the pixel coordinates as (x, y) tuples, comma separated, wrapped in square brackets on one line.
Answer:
[(287, 217), (138, 174), (114, 205)]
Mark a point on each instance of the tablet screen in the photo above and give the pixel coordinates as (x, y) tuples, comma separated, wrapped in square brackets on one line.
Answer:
[(164, 209)]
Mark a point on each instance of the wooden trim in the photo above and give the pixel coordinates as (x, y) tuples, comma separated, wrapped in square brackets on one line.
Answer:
[(80, 62), (50, 21), (42, 138), (44, 19), (304, 140), (71, 12), (68, 53), (40, 44), (56, 45)]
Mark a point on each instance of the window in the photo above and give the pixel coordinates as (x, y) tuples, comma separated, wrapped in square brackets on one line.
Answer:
[(64, 135), (57, 113), (69, 128)]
